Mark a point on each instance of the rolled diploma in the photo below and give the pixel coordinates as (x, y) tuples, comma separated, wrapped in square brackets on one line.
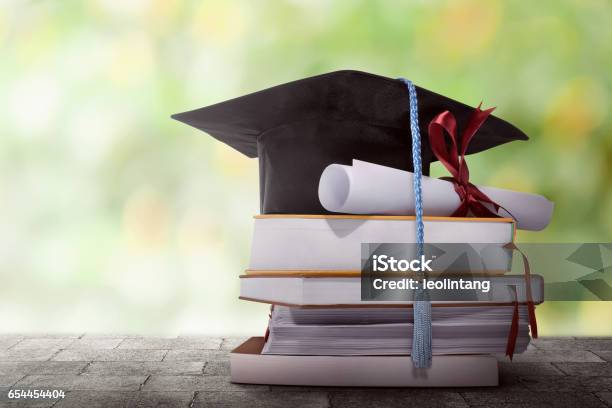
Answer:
[(367, 188)]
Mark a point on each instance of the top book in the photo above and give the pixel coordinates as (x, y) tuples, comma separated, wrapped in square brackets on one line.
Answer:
[(333, 242)]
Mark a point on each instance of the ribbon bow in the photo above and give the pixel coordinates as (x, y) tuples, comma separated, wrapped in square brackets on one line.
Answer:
[(472, 199)]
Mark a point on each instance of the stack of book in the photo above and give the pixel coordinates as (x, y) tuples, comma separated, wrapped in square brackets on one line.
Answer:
[(321, 332), (305, 135)]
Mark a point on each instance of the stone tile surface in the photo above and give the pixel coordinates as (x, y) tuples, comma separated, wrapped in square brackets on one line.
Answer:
[(554, 356), (162, 399), (196, 355), (110, 355), (190, 343), (571, 343), (101, 370), (59, 367), (27, 354), (75, 355), (17, 367), (43, 343), (258, 399), (198, 383), (95, 343), (131, 355), (572, 383), (103, 399), (5, 401), (144, 368), (605, 355), (531, 369), (9, 341), (8, 380), (399, 398), (495, 398), (95, 399), (83, 382), (606, 397), (586, 369), (216, 367)]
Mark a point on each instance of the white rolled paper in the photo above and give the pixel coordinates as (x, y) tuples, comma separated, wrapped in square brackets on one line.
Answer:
[(367, 188)]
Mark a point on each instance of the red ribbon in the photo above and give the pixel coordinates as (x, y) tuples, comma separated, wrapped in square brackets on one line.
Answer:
[(472, 199), (267, 333), (513, 332), (533, 324), (527, 275)]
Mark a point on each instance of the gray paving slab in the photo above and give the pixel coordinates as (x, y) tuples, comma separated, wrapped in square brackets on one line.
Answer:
[(605, 355), (104, 399), (83, 382), (121, 370), (258, 399), (198, 383), (191, 343), (95, 343), (5, 401), (75, 355), (162, 399), (586, 369), (495, 398), (553, 356), (216, 367), (107, 336), (110, 355), (131, 355), (399, 398), (145, 368), (196, 355), (27, 354), (532, 369), (57, 367), (8, 380), (223, 383), (9, 341), (95, 399), (51, 335), (606, 397), (575, 384), (571, 343), (17, 367), (43, 343)]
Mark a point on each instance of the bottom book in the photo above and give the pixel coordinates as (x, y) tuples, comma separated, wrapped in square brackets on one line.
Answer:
[(249, 366)]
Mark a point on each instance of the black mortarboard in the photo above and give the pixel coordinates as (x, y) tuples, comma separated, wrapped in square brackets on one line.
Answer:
[(299, 128)]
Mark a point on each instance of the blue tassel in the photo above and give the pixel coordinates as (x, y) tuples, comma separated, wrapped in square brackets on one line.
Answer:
[(421, 337)]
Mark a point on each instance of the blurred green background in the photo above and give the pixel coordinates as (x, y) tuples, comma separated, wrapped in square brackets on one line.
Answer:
[(115, 218)]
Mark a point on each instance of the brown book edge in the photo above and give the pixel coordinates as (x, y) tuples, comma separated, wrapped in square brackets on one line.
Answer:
[(392, 217), (384, 217), (253, 345), (378, 305), (305, 273)]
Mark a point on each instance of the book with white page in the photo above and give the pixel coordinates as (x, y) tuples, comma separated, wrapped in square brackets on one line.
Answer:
[(388, 331), (333, 242), (293, 290), (250, 366)]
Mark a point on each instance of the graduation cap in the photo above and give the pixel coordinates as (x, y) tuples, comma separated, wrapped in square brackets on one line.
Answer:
[(299, 128)]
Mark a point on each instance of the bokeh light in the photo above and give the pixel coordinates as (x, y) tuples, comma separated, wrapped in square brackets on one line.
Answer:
[(117, 219)]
